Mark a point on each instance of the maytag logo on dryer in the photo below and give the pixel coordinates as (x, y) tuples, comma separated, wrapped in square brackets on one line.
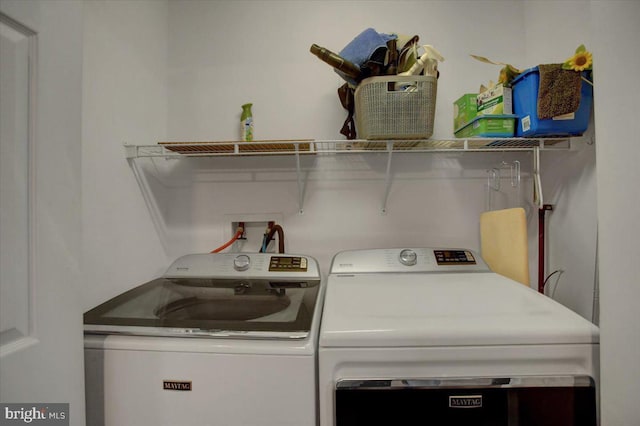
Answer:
[(176, 385), (465, 401)]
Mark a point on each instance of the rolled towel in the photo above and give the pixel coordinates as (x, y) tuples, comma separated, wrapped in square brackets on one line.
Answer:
[(558, 91), (369, 46)]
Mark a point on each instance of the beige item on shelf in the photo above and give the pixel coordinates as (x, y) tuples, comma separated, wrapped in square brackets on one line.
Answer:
[(503, 241)]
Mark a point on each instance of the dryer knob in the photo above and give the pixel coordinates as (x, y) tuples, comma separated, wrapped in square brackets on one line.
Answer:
[(241, 262), (408, 257)]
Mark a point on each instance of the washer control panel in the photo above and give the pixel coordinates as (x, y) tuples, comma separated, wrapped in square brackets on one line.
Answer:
[(421, 259), (245, 265), (287, 264)]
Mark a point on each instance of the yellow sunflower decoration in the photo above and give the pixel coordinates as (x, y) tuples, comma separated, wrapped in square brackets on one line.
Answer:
[(507, 74), (580, 61)]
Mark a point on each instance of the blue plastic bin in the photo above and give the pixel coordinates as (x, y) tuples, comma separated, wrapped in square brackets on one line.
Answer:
[(525, 106)]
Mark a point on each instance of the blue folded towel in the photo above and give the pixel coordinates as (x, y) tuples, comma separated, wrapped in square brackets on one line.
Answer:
[(362, 48)]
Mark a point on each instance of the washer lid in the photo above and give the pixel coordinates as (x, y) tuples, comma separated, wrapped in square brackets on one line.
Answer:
[(248, 295), (446, 309)]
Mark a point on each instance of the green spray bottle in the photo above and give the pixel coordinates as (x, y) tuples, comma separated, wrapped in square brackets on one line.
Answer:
[(246, 123)]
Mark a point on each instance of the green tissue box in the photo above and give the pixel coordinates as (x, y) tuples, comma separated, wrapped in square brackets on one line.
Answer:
[(489, 126), (465, 109)]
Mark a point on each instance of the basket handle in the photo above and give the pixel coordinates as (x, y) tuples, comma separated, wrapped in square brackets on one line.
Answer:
[(402, 86)]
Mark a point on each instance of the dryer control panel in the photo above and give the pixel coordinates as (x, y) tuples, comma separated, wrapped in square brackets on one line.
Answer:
[(454, 257), (423, 259)]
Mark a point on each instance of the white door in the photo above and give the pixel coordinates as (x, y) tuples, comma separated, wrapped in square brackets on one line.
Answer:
[(41, 353)]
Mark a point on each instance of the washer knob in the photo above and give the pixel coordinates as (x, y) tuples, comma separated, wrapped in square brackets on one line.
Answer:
[(241, 262), (408, 257)]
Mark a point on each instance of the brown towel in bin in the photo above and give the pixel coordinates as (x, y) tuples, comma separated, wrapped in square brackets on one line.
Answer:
[(558, 92)]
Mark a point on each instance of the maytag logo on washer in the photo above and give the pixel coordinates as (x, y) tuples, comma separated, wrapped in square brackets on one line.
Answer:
[(176, 385), (465, 401)]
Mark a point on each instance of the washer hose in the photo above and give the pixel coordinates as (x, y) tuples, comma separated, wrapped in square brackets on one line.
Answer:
[(237, 235), (275, 228)]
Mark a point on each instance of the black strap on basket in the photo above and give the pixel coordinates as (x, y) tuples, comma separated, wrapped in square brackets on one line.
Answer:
[(346, 95)]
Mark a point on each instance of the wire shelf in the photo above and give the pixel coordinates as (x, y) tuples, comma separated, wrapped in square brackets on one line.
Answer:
[(312, 146)]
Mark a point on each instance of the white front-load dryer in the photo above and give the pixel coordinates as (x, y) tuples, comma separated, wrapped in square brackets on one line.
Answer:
[(432, 336), (220, 339)]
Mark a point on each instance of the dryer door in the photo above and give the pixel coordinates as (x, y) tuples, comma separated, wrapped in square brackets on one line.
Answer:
[(526, 401)]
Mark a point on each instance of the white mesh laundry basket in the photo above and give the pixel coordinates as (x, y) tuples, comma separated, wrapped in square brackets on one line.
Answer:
[(395, 107)]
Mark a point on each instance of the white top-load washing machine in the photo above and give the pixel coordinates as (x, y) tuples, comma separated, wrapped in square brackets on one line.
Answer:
[(220, 339), (432, 336)]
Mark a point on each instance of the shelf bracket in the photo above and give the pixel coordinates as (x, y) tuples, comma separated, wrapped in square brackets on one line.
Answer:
[(300, 183), (149, 200), (538, 198), (387, 179)]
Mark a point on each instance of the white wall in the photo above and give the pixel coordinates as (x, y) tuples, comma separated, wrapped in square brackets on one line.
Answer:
[(222, 54), (124, 100), (569, 179), (204, 106), (615, 33)]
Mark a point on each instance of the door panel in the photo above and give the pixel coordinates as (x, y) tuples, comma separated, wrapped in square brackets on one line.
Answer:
[(17, 44), (41, 351)]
